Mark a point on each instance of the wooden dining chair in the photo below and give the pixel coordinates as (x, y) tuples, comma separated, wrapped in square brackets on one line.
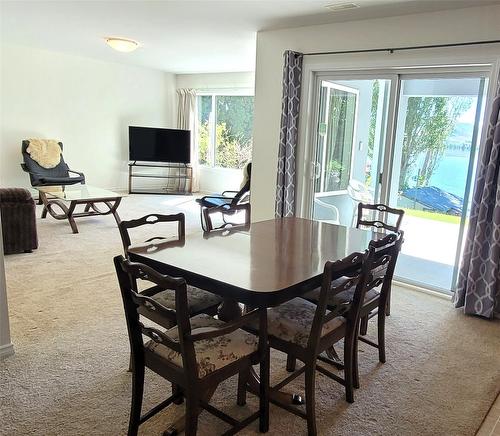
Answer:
[(195, 355), (379, 216), (199, 301), (385, 253), (304, 330), (383, 218)]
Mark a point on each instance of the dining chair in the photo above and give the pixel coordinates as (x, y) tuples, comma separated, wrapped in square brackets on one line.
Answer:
[(383, 218), (380, 216), (304, 330), (199, 301), (195, 356), (385, 253)]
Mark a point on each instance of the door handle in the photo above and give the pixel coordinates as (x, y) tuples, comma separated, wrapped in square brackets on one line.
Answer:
[(315, 170)]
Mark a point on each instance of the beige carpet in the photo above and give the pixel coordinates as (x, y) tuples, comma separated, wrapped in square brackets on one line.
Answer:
[(68, 376)]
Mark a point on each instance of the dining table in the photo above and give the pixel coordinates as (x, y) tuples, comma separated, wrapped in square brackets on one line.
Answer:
[(260, 265)]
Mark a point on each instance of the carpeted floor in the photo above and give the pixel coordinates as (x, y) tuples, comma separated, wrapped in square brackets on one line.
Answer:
[(69, 374)]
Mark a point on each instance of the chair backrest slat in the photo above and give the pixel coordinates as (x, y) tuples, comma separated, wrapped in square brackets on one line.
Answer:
[(125, 226), (381, 216)]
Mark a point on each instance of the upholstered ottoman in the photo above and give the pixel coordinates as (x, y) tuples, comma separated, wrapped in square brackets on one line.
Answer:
[(17, 210)]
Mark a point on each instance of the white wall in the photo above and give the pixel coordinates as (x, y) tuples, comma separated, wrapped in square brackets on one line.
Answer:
[(85, 103), (216, 80), (461, 25), (217, 179)]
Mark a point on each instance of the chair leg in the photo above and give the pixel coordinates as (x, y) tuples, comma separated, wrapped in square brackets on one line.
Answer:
[(242, 387), (381, 335), (176, 389), (310, 398), (192, 412), (291, 363), (355, 364), (137, 393), (348, 368), (364, 326), (388, 304)]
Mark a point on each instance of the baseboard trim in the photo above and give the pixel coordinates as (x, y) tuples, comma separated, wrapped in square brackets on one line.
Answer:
[(6, 351), (423, 290)]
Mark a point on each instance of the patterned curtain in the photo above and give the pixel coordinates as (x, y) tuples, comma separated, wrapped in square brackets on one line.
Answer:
[(186, 120), (290, 106), (478, 289)]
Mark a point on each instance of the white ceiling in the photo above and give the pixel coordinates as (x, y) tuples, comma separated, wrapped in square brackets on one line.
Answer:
[(183, 36)]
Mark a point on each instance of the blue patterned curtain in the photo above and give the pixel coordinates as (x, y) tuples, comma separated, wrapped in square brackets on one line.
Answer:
[(290, 106), (478, 290)]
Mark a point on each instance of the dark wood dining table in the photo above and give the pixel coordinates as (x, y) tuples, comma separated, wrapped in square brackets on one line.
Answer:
[(261, 265)]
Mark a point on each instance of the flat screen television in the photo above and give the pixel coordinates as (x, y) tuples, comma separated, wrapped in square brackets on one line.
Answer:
[(150, 144)]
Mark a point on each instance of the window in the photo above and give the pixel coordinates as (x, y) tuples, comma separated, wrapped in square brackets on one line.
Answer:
[(224, 130), (336, 135)]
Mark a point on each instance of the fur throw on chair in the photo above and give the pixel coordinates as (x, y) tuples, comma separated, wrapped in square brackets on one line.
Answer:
[(45, 152)]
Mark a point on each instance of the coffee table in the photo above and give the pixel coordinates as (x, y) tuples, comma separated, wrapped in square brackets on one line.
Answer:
[(67, 197)]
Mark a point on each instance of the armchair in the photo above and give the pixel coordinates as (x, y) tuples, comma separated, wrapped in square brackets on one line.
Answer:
[(228, 203), (42, 174)]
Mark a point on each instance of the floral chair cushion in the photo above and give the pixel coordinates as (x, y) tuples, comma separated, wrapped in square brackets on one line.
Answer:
[(198, 299), (211, 354), (292, 321)]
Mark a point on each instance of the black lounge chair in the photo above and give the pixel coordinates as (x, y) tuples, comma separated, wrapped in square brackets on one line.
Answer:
[(228, 203), (40, 176)]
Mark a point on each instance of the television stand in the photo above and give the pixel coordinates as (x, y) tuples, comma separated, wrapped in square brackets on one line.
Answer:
[(176, 178)]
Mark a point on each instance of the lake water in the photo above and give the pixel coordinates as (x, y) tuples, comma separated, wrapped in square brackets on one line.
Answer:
[(451, 174)]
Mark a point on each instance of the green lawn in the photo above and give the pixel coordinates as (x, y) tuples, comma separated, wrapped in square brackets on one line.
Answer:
[(433, 216)]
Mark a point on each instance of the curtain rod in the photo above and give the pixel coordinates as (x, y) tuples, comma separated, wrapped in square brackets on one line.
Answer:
[(392, 50)]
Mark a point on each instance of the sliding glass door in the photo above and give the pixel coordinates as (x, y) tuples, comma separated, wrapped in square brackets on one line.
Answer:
[(405, 140), (351, 130), (435, 146)]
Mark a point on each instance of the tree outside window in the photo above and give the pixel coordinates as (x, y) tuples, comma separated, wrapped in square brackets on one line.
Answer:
[(225, 124)]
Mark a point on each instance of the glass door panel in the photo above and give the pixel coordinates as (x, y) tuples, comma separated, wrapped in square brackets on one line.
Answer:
[(350, 137), (435, 147)]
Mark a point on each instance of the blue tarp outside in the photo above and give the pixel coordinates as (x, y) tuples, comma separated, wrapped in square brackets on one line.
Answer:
[(435, 199)]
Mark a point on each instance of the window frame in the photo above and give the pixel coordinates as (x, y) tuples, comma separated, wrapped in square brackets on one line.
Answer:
[(216, 92)]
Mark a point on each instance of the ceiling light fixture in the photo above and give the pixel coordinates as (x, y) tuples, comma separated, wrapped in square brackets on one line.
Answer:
[(334, 7), (122, 44)]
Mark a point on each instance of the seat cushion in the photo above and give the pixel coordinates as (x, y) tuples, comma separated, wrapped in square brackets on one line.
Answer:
[(292, 321), (214, 201), (211, 354), (198, 299), (334, 301)]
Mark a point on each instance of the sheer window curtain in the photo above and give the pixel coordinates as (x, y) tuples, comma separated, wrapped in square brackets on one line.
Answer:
[(186, 120)]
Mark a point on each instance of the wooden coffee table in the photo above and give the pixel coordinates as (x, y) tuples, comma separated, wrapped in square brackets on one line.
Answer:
[(67, 197)]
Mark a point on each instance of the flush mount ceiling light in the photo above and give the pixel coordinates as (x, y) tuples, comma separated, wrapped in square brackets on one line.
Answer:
[(122, 44), (334, 7)]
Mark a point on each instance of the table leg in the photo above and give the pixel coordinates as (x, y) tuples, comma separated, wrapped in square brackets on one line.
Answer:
[(264, 373), (42, 199), (114, 208), (69, 215), (229, 310)]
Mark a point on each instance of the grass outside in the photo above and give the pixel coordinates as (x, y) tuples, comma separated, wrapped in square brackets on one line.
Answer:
[(442, 217)]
